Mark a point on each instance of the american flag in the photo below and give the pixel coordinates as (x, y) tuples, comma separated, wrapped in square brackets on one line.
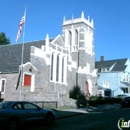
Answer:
[(20, 27)]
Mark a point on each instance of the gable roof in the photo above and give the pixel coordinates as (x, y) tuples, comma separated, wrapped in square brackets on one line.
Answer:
[(10, 55), (119, 64)]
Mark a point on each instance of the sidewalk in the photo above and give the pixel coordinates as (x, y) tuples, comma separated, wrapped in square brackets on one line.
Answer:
[(73, 112)]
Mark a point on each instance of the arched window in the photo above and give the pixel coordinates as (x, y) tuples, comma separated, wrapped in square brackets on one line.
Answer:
[(57, 67), (76, 37), (63, 66), (52, 66), (70, 38)]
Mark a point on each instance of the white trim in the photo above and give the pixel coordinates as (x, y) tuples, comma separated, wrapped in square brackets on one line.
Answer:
[(59, 36), (61, 55), (32, 81), (29, 63)]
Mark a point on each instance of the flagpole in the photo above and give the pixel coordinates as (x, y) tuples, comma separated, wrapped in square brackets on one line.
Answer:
[(22, 57)]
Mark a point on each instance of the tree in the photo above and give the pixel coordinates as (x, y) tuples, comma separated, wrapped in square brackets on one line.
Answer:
[(76, 93), (3, 39)]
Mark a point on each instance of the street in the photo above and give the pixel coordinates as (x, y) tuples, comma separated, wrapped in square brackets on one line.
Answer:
[(90, 121)]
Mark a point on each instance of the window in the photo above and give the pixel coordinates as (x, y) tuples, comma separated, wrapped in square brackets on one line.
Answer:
[(106, 84), (30, 106), (124, 78), (52, 65), (76, 37), (2, 85), (70, 39), (27, 80), (17, 106), (57, 68), (107, 69), (63, 58)]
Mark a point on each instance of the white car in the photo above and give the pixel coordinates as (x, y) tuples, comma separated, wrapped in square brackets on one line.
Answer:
[(122, 96), (13, 113)]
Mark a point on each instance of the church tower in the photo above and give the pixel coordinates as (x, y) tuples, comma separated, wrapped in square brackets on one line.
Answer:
[(78, 36)]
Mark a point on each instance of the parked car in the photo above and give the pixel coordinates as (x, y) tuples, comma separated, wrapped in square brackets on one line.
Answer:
[(126, 102), (14, 113), (121, 96)]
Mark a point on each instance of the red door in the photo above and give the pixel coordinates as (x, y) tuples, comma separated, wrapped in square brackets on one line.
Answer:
[(87, 89), (27, 80)]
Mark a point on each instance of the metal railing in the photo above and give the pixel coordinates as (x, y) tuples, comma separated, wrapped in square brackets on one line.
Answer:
[(46, 104)]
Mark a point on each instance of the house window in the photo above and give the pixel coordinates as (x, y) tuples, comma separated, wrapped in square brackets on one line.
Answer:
[(107, 69), (124, 78), (103, 69), (27, 80)]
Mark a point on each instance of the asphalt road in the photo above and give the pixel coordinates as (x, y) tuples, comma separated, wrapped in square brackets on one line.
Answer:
[(89, 121)]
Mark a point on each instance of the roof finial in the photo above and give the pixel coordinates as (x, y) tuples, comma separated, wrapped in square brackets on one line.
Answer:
[(88, 18), (64, 19), (92, 22), (47, 40), (82, 15), (72, 18)]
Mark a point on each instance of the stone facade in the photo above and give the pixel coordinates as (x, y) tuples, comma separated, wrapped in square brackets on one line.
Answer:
[(58, 65)]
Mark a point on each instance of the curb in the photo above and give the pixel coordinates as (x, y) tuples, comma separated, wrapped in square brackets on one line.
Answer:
[(69, 116)]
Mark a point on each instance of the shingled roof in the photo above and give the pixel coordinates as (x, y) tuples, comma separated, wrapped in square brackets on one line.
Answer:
[(10, 55), (119, 64)]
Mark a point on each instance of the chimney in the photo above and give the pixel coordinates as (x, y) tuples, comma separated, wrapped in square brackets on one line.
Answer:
[(102, 58)]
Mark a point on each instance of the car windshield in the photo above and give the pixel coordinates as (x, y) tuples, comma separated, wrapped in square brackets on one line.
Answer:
[(3, 105)]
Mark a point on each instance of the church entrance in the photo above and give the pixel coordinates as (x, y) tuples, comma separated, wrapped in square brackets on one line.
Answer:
[(87, 90)]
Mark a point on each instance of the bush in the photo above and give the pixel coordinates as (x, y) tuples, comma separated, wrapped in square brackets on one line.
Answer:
[(76, 93), (82, 103), (102, 101)]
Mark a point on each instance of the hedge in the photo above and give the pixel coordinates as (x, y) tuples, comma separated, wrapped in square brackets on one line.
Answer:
[(98, 101)]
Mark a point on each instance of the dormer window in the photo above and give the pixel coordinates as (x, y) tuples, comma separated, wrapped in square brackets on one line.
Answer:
[(105, 69)]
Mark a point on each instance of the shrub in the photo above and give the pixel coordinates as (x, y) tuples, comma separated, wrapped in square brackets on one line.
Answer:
[(82, 103), (76, 93), (102, 101)]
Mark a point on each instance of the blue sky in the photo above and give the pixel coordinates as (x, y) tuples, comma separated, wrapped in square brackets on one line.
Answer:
[(111, 22)]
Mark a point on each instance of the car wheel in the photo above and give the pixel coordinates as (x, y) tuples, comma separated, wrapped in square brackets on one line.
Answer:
[(13, 124), (49, 119)]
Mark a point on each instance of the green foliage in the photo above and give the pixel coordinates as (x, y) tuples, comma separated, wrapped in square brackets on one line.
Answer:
[(102, 101), (3, 39), (95, 97), (76, 93), (82, 103)]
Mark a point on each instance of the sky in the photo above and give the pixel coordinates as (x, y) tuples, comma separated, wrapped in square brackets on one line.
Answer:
[(111, 22)]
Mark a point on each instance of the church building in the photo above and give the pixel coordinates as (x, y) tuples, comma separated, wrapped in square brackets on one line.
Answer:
[(51, 67)]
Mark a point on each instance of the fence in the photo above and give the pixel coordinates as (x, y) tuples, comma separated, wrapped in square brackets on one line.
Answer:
[(46, 104)]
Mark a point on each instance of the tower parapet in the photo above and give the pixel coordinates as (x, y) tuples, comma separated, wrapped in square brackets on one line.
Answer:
[(79, 20)]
